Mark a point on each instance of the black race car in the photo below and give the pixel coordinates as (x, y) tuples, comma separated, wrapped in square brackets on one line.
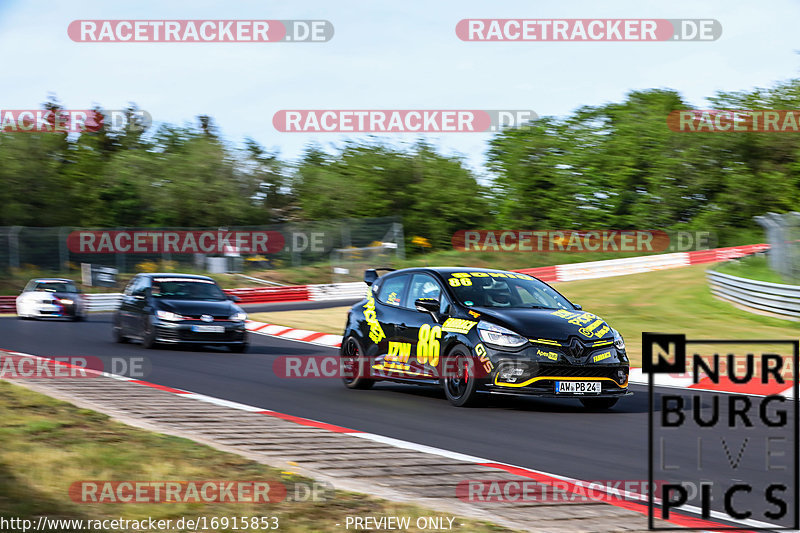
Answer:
[(179, 309), (479, 331)]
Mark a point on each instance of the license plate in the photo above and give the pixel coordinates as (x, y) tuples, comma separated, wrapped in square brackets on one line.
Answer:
[(578, 387), (208, 329)]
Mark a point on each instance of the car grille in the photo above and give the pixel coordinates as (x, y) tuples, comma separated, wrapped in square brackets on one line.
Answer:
[(577, 371)]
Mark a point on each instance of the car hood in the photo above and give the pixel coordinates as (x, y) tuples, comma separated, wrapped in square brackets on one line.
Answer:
[(544, 324), (218, 309)]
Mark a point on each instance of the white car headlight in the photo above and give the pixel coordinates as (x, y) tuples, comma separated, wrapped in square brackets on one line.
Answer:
[(239, 317), (65, 301), (619, 342), (168, 316), (498, 335)]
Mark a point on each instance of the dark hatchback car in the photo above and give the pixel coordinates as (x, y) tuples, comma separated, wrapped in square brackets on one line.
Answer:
[(478, 331), (179, 309)]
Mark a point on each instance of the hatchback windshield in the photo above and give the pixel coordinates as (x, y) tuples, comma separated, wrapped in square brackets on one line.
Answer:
[(187, 289), (51, 286), (480, 289)]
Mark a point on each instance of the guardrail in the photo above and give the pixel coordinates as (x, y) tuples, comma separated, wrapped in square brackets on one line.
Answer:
[(103, 302), (298, 293), (8, 304), (757, 296)]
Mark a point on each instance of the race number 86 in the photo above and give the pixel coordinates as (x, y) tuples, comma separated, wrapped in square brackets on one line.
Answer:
[(428, 345)]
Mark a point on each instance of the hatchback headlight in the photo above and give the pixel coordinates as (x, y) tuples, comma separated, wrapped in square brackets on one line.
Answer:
[(498, 335), (239, 316), (169, 316), (619, 342)]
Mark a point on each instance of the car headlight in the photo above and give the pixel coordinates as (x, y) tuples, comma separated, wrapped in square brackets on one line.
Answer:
[(65, 301), (168, 316), (619, 342), (239, 317), (498, 335)]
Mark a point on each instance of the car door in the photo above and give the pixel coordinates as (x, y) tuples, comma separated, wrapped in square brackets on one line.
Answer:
[(420, 330), (388, 310), (141, 306), (126, 307)]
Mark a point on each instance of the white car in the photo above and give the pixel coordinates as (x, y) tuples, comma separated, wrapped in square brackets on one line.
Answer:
[(51, 297)]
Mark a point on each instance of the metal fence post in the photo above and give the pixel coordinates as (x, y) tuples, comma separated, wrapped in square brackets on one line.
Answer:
[(13, 246)]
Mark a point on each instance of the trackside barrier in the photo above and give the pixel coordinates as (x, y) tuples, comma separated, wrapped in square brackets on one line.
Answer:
[(568, 272), (8, 304), (337, 291), (298, 293), (757, 296), (103, 302), (637, 265)]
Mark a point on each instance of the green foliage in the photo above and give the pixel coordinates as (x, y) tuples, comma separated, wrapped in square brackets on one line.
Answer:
[(614, 166)]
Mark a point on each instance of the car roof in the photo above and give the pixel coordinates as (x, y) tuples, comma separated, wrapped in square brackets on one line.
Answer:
[(446, 271), (52, 280), (174, 275)]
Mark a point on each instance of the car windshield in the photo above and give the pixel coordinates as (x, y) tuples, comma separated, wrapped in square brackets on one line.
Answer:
[(505, 290), (54, 286), (187, 289)]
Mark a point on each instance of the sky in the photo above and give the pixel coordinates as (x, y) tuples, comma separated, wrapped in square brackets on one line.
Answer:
[(383, 56)]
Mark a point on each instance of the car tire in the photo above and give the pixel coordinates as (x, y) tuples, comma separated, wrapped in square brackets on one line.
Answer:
[(352, 370), (461, 384), (149, 336), (599, 404), (116, 332), (239, 348)]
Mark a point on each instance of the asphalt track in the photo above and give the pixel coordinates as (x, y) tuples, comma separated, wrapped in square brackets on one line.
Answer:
[(556, 436)]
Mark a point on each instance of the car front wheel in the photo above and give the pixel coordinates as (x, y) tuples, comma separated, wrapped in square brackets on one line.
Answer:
[(460, 382)]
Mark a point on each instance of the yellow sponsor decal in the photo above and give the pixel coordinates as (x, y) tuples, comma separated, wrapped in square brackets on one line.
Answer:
[(545, 341), (428, 345), (475, 314), (553, 356), (483, 357), (398, 355), (600, 357), (375, 330), (458, 325)]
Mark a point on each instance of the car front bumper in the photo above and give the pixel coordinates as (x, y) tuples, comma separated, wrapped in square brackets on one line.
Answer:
[(185, 333), (526, 372)]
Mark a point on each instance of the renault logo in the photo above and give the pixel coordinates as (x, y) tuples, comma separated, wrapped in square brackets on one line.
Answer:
[(575, 347), (207, 318)]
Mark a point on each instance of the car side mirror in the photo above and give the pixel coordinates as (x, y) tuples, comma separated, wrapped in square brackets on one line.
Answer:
[(234, 298), (370, 275), (578, 307)]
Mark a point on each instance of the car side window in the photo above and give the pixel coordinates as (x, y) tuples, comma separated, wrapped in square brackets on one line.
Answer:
[(131, 286), (426, 286), (393, 290), (141, 287)]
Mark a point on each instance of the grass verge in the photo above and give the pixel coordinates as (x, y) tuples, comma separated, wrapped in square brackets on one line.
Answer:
[(751, 267), (49, 444)]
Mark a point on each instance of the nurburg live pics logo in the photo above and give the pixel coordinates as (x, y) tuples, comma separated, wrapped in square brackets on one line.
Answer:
[(728, 453)]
